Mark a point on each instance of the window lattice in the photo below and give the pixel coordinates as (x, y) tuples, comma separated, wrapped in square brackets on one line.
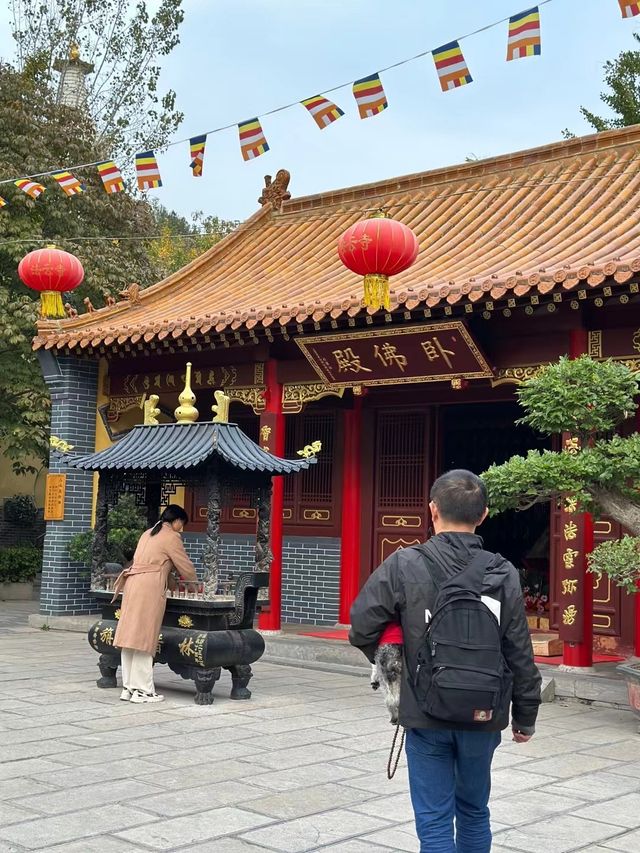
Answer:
[(401, 460)]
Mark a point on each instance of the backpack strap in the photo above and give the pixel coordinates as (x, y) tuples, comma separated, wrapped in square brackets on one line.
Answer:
[(472, 576)]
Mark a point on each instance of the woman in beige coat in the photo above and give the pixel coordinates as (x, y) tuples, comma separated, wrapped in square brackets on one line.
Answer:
[(144, 588)]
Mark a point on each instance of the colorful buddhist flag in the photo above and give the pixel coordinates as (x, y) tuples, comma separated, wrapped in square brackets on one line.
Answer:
[(451, 66), (524, 35), (3, 202), (147, 171), (322, 111), (196, 150), (253, 142), (629, 10), (370, 96), (111, 177), (68, 183), (31, 188)]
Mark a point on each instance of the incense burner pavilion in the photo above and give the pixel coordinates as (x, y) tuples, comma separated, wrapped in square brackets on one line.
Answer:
[(523, 258)]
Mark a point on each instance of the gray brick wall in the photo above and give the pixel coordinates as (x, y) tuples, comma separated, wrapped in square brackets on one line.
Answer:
[(310, 573), (65, 584), (310, 580)]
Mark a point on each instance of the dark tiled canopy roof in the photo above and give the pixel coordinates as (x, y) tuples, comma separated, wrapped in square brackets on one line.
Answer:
[(180, 447)]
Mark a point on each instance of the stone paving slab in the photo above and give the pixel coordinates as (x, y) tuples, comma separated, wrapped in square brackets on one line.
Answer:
[(301, 767)]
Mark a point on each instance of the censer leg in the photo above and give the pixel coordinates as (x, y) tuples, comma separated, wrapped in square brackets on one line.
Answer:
[(205, 680), (108, 666), (240, 676)]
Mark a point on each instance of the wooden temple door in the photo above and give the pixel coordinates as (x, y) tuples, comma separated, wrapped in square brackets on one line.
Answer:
[(401, 480)]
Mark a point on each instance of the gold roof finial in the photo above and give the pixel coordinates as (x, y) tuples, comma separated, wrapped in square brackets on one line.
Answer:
[(150, 409), (186, 413), (74, 52)]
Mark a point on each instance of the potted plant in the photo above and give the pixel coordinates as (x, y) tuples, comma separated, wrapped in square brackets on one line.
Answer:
[(20, 510), (619, 559), (19, 566)]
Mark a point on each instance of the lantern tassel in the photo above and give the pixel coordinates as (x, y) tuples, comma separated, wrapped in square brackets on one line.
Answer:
[(51, 304), (376, 291)]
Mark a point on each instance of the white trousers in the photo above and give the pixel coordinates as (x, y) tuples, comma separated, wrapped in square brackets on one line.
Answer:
[(137, 671)]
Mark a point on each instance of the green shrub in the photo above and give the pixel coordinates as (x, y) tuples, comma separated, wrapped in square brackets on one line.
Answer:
[(19, 564), (20, 510), (127, 522), (619, 559)]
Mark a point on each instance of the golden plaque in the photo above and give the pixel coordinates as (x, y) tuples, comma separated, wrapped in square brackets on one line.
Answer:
[(54, 497)]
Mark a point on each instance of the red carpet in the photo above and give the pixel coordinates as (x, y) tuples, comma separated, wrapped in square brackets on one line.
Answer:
[(556, 661), (327, 635)]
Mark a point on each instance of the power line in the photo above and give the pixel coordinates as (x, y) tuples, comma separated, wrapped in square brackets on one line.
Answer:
[(284, 219), (222, 128)]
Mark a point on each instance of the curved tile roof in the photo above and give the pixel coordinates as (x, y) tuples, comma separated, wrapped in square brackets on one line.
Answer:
[(550, 217), (180, 447)]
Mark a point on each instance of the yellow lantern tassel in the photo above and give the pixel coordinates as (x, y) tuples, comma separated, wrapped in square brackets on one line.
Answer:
[(376, 291), (51, 304)]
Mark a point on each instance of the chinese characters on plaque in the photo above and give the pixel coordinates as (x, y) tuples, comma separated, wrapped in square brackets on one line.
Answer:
[(227, 376), (429, 353), (54, 497), (572, 560)]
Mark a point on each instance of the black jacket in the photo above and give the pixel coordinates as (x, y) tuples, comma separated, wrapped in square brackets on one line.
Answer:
[(402, 589)]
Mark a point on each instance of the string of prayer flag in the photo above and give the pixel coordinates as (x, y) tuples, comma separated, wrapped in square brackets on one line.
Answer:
[(253, 142), (111, 177), (3, 201), (322, 111), (147, 171), (451, 66), (196, 150), (524, 35), (629, 10), (68, 183), (370, 96), (31, 188)]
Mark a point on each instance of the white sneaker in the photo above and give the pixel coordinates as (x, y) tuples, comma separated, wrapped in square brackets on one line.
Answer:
[(125, 695), (139, 698)]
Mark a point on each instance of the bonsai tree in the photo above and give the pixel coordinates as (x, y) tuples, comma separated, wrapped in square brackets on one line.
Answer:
[(127, 521), (589, 400)]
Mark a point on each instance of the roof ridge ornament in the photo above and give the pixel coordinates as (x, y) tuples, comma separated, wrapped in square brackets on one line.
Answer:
[(186, 413), (276, 192)]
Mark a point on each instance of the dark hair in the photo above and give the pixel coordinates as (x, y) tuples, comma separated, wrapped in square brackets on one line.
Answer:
[(172, 513), (461, 497)]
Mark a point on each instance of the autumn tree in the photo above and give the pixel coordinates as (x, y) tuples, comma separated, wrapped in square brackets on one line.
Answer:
[(181, 240)]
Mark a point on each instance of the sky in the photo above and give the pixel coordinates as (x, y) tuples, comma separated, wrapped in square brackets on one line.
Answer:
[(239, 58)]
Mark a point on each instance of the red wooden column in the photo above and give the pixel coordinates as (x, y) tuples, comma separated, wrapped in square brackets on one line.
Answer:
[(272, 437), (576, 583), (351, 511)]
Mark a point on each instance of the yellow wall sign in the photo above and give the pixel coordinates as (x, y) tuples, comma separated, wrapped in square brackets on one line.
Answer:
[(54, 497)]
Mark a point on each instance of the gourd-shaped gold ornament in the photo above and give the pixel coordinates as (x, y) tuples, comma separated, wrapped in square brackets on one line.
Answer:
[(186, 413)]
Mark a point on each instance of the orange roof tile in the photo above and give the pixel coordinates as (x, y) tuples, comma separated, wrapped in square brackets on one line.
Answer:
[(553, 216)]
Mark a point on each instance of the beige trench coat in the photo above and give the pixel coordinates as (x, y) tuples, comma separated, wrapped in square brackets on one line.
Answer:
[(144, 588)]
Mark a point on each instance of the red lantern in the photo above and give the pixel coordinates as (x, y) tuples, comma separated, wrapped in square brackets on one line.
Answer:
[(52, 272), (377, 248)]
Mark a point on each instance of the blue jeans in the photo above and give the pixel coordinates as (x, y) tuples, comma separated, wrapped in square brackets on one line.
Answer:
[(450, 776)]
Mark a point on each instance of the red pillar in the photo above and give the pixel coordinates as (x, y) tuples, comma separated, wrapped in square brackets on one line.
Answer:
[(580, 653), (350, 541), (272, 436)]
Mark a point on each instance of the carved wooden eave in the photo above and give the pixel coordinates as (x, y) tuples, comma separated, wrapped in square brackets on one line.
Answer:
[(296, 395)]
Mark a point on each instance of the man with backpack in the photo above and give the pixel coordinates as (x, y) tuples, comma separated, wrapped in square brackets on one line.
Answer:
[(467, 657)]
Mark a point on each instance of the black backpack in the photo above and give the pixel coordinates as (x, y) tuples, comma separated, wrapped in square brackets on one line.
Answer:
[(462, 676)]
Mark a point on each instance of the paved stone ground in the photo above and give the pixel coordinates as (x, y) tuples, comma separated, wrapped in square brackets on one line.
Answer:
[(301, 767)]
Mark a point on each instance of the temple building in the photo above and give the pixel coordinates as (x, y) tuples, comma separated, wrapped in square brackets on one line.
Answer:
[(523, 258)]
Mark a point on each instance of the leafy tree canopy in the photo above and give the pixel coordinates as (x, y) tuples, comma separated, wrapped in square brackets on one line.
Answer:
[(622, 97)]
